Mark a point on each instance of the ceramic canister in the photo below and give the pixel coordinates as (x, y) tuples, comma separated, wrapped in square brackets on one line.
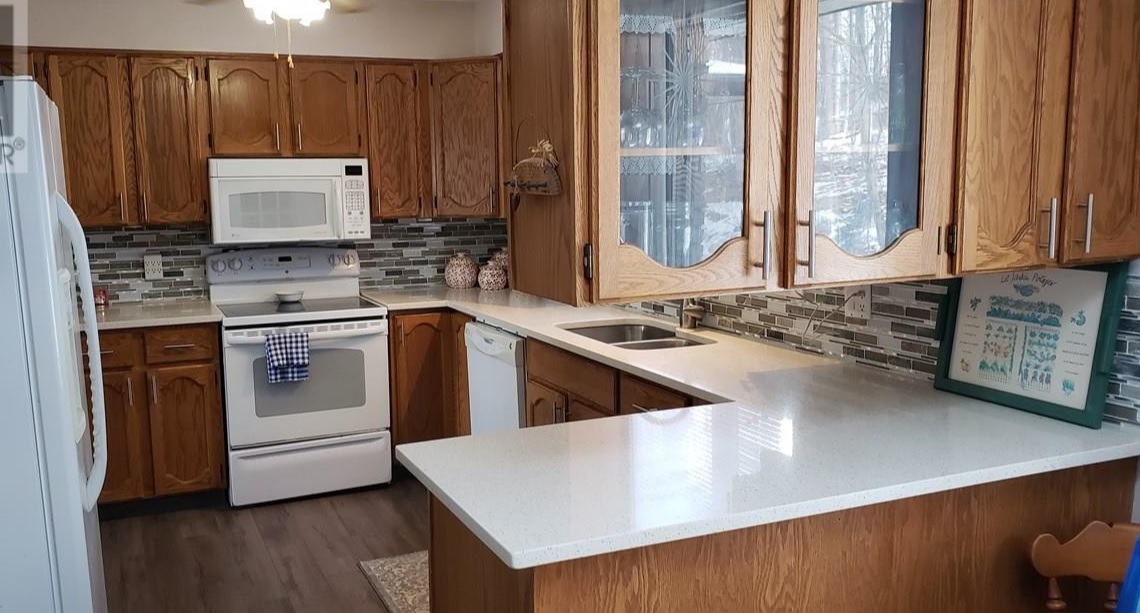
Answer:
[(461, 272)]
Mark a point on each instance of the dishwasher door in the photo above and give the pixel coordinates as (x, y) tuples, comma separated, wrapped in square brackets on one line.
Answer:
[(496, 376)]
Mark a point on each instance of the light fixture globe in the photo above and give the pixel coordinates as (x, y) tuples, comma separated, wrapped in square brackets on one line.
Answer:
[(304, 12)]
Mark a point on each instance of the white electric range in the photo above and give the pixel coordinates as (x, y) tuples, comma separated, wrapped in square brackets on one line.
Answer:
[(331, 431)]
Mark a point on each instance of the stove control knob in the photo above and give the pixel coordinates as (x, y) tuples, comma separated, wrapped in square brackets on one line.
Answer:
[(218, 266), (349, 259), (236, 264), (333, 260)]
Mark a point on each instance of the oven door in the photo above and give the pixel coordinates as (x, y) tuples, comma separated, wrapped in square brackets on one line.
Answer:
[(346, 393), (275, 209)]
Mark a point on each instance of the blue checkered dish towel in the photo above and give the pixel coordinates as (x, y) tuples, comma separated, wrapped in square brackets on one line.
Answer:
[(287, 357)]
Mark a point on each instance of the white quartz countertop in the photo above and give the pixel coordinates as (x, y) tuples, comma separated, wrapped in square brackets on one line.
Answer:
[(158, 313), (822, 440), (719, 372)]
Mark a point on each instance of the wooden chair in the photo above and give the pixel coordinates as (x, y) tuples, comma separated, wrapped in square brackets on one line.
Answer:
[(1100, 552)]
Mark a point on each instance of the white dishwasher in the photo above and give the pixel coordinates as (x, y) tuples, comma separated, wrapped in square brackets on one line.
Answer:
[(496, 377)]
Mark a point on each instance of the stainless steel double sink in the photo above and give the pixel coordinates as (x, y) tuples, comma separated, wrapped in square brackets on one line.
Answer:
[(638, 336)]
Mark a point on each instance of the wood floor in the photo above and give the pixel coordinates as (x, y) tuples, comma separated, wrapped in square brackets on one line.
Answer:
[(293, 557)]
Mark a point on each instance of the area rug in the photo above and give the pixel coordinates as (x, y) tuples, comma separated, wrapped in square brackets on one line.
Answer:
[(401, 581)]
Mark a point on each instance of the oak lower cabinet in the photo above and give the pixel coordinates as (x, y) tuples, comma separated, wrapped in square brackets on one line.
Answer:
[(164, 412), (185, 428), (129, 465), (563, 387), (640, 396), (424, 377), (460, 415)]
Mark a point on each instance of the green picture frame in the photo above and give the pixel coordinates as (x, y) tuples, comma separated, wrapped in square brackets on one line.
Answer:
[(1092, 416)]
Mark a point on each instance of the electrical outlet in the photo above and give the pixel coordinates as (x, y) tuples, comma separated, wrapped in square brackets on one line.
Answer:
[(152, 267), (858, 301)]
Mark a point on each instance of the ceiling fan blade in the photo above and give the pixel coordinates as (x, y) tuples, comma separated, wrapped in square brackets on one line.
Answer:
[(206, 2), (351, 6)]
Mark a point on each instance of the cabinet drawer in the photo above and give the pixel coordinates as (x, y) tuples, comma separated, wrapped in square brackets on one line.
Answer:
[(581, 411), (120, 349), (638, 396), (181, 344), (577, 376)]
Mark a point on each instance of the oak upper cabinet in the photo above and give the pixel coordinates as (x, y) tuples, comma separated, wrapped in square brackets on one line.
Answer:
[(874, 129), (328, 108), (394, 123), (167, 107), (185, 428), (1101, 211), (95, 123), (128, 438), (691, 107), (421, 379), (465, 118), (1011, 154), (247, 107)]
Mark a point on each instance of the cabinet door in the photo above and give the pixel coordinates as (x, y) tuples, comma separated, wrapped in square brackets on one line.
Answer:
[(461, 393), (691, 118), (246, 109), (128, 438), (393, 140), (95, 126), (1102, 194), (873, 139), (185, 428), (168, 149), (326, 108), (544, 405), (420, 378), (465, 138)]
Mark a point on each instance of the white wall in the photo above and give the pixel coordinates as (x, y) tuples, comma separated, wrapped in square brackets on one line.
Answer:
[(488, 27), (420, 29)]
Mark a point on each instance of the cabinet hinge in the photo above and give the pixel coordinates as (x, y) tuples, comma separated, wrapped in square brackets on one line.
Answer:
[(431, 78), (206, 72), (210, 139), (952, 239), (435, 204), (415, 79), (588, 261), (359, 140)]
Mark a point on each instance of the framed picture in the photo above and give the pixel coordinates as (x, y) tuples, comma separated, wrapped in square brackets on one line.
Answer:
[(1041, 341)]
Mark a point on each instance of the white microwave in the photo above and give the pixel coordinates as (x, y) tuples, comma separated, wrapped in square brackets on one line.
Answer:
[(289, 200)]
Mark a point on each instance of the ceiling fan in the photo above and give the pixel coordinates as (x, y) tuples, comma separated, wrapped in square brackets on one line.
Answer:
[(338, 6)]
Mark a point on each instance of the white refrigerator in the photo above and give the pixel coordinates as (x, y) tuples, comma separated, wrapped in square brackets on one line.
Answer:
[(53, 456)]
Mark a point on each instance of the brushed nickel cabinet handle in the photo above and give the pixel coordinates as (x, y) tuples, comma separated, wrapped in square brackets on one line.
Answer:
[(277, 136), (130, 392), (154, 390), (553, 412), (1053, 229), (810, 262), (146, 209), (122, 206), (767, 272), (642, 409), (1089, 225), (564, 414), (299, 147), (181, 346), (106, 351)]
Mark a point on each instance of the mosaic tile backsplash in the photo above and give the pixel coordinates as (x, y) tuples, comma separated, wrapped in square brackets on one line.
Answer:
[(404, 252), (899, 335)]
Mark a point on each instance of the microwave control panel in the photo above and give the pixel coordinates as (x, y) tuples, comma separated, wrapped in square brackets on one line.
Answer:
[(357, 210)]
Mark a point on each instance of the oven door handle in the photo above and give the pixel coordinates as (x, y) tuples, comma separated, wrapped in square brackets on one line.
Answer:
[(335, 441), (314, 337)]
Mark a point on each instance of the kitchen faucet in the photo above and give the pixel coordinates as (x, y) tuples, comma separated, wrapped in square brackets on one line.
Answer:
[(691, 314)]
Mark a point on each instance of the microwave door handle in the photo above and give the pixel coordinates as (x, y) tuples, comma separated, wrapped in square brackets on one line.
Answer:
[(340, 209)]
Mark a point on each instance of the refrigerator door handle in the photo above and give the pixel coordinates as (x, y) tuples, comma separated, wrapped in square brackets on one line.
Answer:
[(74, 231)]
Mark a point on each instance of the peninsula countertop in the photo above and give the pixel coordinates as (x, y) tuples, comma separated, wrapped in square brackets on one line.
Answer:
[(825, 439)]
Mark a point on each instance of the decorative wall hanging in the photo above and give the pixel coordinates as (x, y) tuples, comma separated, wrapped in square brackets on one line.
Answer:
[(538, 174), (1041, 341)]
